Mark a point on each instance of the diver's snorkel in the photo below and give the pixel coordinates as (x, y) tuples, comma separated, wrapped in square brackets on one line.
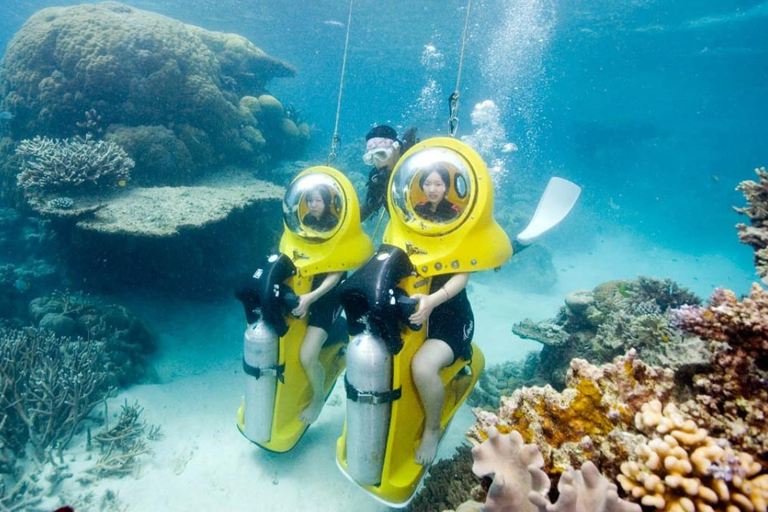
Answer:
[(556, 202)]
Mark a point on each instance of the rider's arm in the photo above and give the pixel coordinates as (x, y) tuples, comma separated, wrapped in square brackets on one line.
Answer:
[(310, 298), (449, 290)]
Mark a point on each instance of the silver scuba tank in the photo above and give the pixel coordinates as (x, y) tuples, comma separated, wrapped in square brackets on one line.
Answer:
[(260, 347), (369, 373)]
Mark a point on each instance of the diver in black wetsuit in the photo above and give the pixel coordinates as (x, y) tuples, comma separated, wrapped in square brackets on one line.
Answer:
[(382, 150)]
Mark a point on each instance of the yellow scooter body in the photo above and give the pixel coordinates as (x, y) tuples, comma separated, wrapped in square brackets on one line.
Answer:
[(340, 248), (470, 242)]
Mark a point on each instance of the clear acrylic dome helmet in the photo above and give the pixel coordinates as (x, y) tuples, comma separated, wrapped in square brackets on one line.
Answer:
[(299, 217), (419, 210)]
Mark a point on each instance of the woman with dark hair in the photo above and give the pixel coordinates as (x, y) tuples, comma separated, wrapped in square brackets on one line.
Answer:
[(319, 216), (435, 182)]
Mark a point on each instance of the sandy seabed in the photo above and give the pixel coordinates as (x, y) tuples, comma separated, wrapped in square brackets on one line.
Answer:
[(203, 463)]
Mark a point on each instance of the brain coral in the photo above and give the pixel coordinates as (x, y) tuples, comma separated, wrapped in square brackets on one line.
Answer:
[(96, 67)]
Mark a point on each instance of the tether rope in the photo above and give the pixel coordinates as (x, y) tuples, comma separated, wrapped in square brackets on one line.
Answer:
[(453, 121), (335, 139)]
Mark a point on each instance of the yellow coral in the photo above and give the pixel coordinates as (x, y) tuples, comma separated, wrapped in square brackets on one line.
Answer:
[(682, 469)]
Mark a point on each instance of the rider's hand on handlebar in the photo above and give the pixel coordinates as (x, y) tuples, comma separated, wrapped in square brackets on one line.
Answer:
[(426, 305), (305, 301)]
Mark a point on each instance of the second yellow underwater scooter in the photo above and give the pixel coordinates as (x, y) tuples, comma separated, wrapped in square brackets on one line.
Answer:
[(385, 417)]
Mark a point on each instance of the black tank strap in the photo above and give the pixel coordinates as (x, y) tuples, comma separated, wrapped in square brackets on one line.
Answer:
[(254, 371), (371, 397)]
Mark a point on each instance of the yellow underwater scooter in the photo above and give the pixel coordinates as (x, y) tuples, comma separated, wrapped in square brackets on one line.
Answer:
[(385, 417), (277, 388)]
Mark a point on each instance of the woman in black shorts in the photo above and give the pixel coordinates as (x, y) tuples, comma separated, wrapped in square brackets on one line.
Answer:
[(451, 322), (322, 304)]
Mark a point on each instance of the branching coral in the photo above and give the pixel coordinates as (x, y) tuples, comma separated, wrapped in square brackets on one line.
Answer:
[(732, 399), (681, 468), (756, 235), (70, 164), (49, 387), (122, 445)]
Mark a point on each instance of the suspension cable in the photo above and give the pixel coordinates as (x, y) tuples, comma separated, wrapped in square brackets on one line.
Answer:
[(336, 139), (453, 100)]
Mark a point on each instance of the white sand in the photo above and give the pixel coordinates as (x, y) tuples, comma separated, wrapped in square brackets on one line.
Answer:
[(203, 463)]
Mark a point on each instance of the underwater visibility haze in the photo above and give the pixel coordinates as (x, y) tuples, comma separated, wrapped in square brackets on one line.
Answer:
[(148, 151)]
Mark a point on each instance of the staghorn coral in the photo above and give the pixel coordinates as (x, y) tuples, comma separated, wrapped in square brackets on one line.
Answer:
[(49, 385), (590, 420), (71, 164), (732, 398), (681, 468), (756, 235)]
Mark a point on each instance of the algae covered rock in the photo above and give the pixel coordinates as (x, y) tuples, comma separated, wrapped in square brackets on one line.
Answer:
[(112, 70)]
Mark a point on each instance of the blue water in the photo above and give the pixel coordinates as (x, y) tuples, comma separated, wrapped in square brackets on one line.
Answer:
[(657, 109)]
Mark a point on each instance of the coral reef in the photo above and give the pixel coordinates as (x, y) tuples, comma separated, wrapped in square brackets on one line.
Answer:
[(520, 485), (49, 385), (448, 483), (610, 320), (589, 420), (508, 459), (756, 234), (732, 398), (502, 379), (129, 75), (127, 340), (70, 165), (682, 468)]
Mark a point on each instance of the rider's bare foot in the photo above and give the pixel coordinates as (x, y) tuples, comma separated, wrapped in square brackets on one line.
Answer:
[(312, 411), (428, 447)]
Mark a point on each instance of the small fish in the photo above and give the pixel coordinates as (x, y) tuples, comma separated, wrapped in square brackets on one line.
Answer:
[(6, 115), (715, 178), (122, 183), (333, 23), (509, 147), (21, 284)]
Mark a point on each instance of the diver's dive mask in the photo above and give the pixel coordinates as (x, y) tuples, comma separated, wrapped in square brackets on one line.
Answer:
[(379, 150)]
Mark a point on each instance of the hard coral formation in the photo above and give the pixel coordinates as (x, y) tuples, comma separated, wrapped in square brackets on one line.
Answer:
[(756, 234), (71, 164), (681, 468), (610, 320), (104, 68), (589, 420), (448, 484), (732, 398)]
